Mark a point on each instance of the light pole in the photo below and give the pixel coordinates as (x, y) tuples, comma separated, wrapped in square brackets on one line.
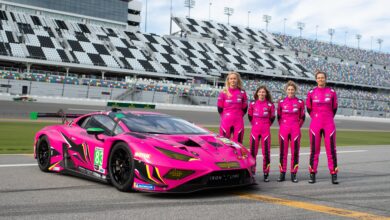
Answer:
[(248, 19), (331, 32), (284, 26), (170, 20), (210, 3), (301, 26), (189, 4), (146, 14), (345, 38), (379, 41), (316, 31), (266, 19), (358, 37), (228, 11), (372, 38)]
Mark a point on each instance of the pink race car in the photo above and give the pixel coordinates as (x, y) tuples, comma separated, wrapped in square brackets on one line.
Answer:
[(143, 151)]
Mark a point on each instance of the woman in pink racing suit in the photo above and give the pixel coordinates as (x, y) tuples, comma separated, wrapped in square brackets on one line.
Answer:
[(322, 104), (291, 116), (261, 114), (232, 106)]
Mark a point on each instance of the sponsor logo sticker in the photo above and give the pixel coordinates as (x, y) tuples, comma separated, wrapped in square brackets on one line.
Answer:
[(143, 186), (142, 155), (98, 159)]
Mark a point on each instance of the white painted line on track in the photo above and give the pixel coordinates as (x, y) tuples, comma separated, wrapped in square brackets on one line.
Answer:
[(19, 165), (272, 155), (323, 152)]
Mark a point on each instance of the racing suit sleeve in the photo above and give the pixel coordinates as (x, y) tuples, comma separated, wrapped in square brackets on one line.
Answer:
[(220, 102), (272, 113), (308, 102), (279, 112), (250, 112), (302, 115), (244, 103), (335, 103)]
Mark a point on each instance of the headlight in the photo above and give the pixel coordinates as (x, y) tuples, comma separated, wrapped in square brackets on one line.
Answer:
[(174, 155)]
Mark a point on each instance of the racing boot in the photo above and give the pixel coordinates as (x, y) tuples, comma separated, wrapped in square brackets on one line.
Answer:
[(294, 178), (312, 178), (334, 179), (282, 177), (266, 179)]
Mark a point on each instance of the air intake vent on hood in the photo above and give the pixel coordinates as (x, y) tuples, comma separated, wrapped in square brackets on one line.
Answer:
[(190, 143)]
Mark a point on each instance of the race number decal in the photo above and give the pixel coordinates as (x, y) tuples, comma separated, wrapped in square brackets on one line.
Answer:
[(98, 157)]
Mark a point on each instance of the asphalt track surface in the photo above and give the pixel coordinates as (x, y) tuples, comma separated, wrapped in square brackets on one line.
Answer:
[(21, 110), (363, 193)]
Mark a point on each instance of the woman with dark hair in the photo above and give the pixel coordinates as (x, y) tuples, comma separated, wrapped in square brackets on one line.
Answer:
[(261, 114), (322, 105), (291, 116), (232, 106)]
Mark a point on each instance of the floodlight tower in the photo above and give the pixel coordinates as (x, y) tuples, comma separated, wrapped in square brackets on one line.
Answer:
[(301, 26), (379, 41), (358, 37), (189, 4), (331, 32), (248, 19), (228, 11), (210, 3), (266, 19)]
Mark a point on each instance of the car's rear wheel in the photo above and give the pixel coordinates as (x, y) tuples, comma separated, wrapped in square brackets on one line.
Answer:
[(121, 167), (43, 153)]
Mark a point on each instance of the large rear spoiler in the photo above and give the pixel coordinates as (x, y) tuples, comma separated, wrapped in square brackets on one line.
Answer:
[(60, 114)]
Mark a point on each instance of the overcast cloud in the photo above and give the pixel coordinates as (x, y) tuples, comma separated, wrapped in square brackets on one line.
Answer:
[(370, 18)]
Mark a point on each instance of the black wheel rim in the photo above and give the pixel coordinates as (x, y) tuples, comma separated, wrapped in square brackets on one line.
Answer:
[(43, 153), (120, 166)]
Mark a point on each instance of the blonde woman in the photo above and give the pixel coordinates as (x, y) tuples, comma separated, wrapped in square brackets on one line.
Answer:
[(232, 106)]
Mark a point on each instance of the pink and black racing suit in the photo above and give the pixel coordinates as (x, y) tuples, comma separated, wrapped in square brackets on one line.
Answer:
[(232, 110), (291, 116), (261, 114), (322, 106)]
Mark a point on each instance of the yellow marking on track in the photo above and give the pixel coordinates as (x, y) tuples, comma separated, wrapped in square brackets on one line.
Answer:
[(312, 207)]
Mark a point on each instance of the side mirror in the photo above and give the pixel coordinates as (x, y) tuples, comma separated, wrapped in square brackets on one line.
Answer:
[(96, 132)]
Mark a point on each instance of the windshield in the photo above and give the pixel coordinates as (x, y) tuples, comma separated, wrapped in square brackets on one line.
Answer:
[(160, 124)]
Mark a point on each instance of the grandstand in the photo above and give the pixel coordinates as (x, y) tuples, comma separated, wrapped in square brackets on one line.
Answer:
[(49, 55)]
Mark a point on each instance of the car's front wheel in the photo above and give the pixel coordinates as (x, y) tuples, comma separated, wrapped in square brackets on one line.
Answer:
[(121, 167), (43, 153)]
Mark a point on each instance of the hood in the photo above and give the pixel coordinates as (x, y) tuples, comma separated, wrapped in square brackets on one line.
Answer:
[(205, 146)]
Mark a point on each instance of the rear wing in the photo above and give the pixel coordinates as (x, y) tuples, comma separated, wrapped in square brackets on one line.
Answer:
[(60, 114)]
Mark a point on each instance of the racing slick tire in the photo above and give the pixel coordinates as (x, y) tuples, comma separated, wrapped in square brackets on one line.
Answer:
[(121, 167), (43, 153)]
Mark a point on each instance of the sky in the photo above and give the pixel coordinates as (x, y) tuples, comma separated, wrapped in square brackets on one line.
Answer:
[(369, 18)]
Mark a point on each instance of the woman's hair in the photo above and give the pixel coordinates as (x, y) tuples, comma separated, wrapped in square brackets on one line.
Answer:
[(268, 96), (291, 83), (320, 72), (239, 82)]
